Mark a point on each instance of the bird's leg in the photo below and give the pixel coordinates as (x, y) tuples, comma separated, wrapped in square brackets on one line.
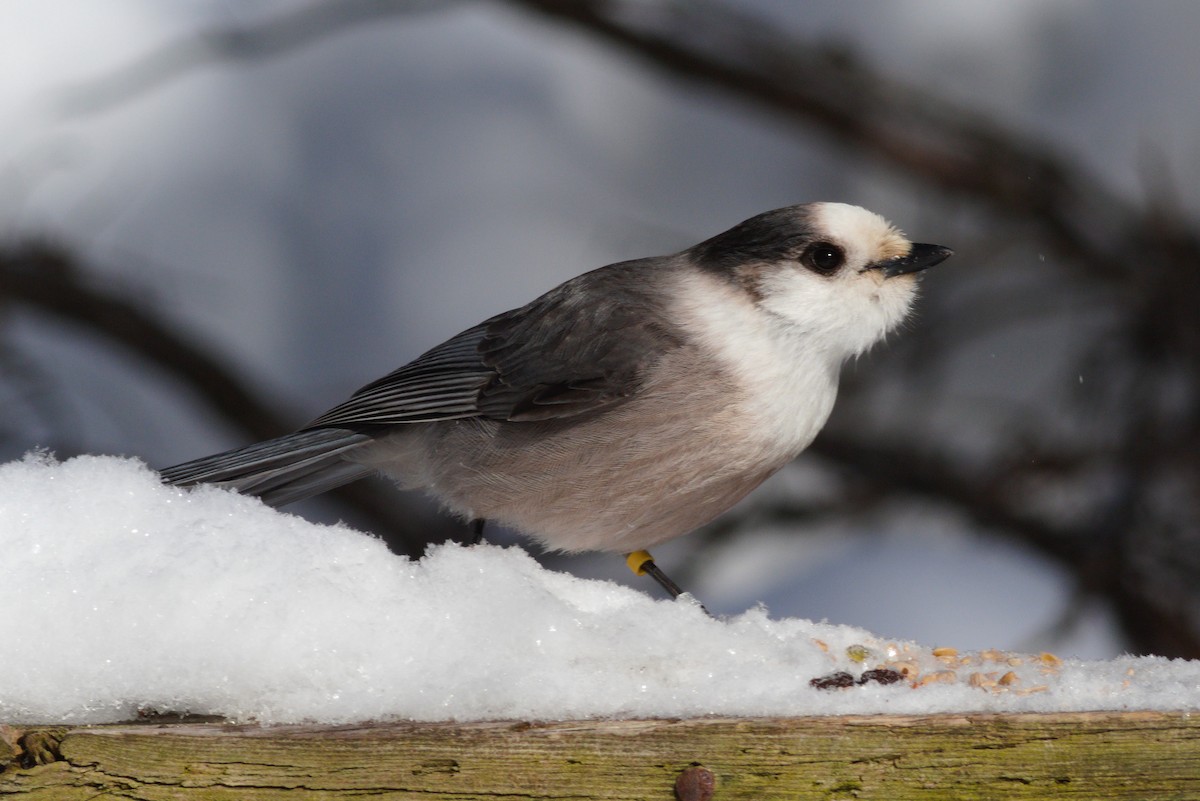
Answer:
[(642, 564), (477, 530)]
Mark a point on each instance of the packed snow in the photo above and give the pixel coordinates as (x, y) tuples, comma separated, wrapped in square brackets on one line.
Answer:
[(125, 597)]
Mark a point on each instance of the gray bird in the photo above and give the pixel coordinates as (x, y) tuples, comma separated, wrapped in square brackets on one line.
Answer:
[(627, 406)]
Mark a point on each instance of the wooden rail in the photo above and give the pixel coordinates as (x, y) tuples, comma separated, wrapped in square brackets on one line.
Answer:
[(1137, 755)]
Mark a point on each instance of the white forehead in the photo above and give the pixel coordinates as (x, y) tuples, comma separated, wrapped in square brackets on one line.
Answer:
[(862, 232)]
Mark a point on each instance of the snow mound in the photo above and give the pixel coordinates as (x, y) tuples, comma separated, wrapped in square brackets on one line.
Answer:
[(124, 596)]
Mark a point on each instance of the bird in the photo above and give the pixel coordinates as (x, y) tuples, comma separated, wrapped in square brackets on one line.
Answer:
[(629, 405)]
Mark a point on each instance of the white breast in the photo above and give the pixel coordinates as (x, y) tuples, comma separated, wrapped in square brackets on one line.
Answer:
[(788, 379)]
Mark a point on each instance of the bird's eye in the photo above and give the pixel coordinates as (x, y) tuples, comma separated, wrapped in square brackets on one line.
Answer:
[(823, 257)]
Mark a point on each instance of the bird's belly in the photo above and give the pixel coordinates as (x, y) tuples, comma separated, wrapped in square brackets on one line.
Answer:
[(618, 482), (687, 447)]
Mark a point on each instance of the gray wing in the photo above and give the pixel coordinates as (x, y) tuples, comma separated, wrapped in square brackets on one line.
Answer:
[(581, 347), (442, 384)]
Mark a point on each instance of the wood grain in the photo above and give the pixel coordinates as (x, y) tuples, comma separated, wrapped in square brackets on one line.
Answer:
[(1084, 755)]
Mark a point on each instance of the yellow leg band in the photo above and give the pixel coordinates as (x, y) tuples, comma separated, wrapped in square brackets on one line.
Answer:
[(637, 562)]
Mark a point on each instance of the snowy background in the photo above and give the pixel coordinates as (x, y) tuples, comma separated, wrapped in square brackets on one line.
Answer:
[(322, 215)]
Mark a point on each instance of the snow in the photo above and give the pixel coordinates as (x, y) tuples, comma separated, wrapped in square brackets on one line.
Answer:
[(126, 597)]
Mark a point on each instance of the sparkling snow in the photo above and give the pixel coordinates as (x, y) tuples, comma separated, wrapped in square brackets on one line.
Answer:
[(125, 597)]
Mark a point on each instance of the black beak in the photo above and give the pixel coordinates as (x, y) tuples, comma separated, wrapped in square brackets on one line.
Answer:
[(921, 257)]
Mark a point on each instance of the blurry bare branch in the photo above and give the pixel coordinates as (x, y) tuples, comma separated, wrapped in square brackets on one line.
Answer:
[(273, 37), (945, 145), (48, 278)]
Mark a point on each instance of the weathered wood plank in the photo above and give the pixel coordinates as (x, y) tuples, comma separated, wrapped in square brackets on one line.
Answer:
[(1087, 755)]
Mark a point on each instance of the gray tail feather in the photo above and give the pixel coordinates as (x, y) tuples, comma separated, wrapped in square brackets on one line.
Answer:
[(281, 470)]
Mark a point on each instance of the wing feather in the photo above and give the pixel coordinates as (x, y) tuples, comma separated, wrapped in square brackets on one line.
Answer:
[(582, 346)]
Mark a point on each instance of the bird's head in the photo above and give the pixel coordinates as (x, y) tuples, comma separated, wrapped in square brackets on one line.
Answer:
[(839, 275)]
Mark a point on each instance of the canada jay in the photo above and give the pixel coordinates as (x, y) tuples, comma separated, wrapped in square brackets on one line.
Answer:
[(630, 404)]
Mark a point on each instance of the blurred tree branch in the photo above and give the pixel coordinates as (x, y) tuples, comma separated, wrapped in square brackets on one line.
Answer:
[(714, 46), (48, 278), (269, 38)]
